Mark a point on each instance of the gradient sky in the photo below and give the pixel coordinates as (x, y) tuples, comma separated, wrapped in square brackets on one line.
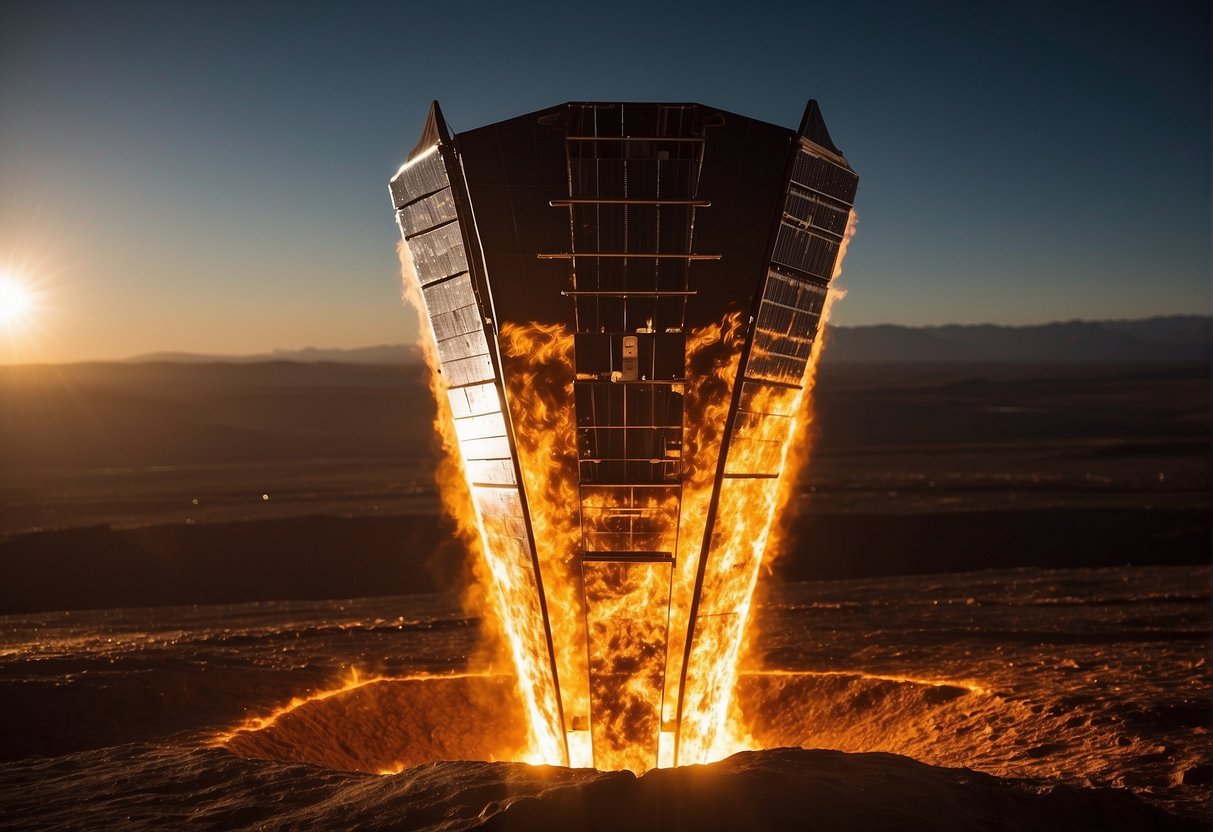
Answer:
[(212, 177)]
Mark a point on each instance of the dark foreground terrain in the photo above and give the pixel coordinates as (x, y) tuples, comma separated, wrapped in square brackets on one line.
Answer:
[(1026, 699), (316, 557), (167, 483), (784, 789)]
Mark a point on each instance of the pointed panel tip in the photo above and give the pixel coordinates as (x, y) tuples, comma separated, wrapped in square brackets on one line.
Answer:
[(435, 132), (813, 127)]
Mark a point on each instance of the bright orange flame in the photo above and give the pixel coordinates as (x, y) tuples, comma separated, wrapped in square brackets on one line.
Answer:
[(635, 669), (713, 353), (513, 613), (748, 536), (539, 359), (539, 378), (627, 624)]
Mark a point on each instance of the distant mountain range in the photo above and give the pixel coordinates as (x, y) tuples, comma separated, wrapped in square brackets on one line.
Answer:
[(1169, 338), (380, 354)]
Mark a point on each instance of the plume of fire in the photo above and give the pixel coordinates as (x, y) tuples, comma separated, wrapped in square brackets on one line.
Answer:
[(627, 625), (799, 453), (539, 379), (449, 474), (713, 353), (753, 535), (627, 645), (500, 594)]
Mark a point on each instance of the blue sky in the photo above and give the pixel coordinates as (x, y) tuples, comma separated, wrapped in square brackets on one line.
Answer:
[(212, 177)]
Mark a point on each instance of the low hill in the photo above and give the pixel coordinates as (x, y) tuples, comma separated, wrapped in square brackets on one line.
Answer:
[(378, 354), (1172, 338)]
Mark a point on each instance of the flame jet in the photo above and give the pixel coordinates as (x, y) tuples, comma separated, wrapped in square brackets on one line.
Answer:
[(624, 301)]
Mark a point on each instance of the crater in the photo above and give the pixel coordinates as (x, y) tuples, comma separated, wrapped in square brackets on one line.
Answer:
[(385, 725)]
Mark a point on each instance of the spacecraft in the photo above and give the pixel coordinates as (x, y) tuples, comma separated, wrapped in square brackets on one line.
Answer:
[(624, 300)]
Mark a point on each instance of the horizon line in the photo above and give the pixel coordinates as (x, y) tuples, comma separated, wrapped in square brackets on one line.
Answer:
[(285, 353)]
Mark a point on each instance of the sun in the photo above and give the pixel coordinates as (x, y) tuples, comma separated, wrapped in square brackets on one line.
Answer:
[(16, 301)]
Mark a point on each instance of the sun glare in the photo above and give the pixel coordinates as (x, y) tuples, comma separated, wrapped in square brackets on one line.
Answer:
[(16, 301)]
